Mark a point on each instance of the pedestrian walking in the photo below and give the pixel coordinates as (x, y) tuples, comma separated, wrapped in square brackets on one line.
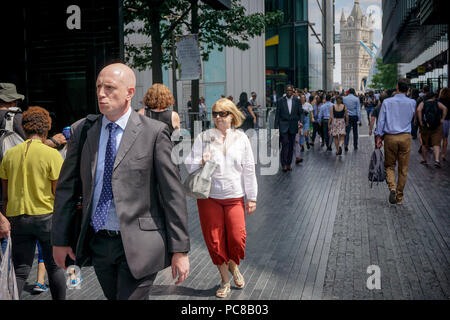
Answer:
[(157, 101), (431, 115), (316, 103), (134, 216), (444, 98), (222, 215), (29, 172), (324, 116), (288, 119), (338, 121), (354, 115), (247, 110), (394, 128)]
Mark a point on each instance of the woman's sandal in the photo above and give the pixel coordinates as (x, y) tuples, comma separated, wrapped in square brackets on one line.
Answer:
[(238, 278), (224, 290), (423, 162)]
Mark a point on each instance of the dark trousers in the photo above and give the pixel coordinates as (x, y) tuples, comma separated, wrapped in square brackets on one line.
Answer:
[(287, 148), (414, 129), (325, 134), (316, 130), (113, 273), (352, 124), (25, 230)]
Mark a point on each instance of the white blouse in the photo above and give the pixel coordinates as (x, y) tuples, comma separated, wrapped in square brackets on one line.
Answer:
[(235, 175)]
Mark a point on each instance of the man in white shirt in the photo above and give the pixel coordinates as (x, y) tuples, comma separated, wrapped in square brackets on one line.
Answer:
[(288, 118)]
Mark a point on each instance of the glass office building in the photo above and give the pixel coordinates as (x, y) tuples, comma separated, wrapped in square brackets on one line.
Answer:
[(53, 52), (293, 53), (415, 35)]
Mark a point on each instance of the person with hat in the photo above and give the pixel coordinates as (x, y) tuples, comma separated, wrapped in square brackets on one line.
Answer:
[(9, 101)]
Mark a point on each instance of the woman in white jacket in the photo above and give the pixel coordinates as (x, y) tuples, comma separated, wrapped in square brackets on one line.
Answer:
[(222, 215)]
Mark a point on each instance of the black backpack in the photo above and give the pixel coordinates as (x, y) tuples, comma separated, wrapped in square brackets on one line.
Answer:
[(431, 115)]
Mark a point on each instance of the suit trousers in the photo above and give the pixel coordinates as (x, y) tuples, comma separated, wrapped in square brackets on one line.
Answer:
[(397, 148), (113, 273), (287, 148), (352, 124)]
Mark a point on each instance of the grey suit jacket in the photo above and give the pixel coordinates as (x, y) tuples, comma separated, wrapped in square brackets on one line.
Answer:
[(150, 230)]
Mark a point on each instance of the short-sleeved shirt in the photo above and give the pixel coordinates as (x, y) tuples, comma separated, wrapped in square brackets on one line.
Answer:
[(30, 175)]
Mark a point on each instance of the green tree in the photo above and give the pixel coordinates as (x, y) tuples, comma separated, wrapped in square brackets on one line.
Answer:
[(164, 20), (386, 77)]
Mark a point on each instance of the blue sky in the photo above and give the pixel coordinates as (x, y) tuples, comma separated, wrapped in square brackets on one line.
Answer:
[(366, 6)]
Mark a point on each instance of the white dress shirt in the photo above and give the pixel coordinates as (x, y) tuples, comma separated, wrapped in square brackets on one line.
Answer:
[(289, 103), (235, 175)]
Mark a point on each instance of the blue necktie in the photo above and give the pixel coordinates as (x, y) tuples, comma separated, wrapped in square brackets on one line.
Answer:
[(106, 195)]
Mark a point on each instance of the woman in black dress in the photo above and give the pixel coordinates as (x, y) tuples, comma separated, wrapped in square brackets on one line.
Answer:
[(246, 108), (157, 101)]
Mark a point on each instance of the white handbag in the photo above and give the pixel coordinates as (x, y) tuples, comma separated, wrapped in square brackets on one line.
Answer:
[(8, 284)]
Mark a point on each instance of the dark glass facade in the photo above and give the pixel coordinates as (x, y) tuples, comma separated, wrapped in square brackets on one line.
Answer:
[(56, 67), (415, 34), (287, 62)]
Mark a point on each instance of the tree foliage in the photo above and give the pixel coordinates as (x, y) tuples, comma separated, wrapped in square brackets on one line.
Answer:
[(386, 77), (165, 20)]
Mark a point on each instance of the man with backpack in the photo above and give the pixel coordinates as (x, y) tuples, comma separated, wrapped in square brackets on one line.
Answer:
[(431, 115), (394, 127)]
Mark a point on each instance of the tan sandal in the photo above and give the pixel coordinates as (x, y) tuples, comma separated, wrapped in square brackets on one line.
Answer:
[(238, 278), (224, 290)]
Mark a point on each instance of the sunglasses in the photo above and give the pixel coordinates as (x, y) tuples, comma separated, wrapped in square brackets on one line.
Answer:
[(222, 114)]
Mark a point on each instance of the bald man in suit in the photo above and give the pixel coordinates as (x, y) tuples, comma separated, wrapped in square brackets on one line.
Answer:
[(134, 216)]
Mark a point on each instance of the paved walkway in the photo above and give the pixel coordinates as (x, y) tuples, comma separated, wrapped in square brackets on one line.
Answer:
[(316, 231)]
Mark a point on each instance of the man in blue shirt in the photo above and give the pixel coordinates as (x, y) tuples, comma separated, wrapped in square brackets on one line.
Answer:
[(354, 118), (394, 127), (324, 115)]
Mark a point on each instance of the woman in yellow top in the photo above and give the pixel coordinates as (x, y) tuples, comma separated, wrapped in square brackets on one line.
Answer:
[(29, 172)]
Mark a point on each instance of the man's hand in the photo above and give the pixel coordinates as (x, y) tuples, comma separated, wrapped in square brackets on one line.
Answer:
[(180, 266), (378, 142), (370, 132), (360, 123), (60, 254), (205, 157), (300, 125), (251, 207), (59, 137), (5, 227)]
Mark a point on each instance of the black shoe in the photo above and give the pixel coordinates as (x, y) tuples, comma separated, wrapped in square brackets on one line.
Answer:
[(308, 146), (289, 168), (285, 169), (437, 164), (355, 148), (393, 197), (298, 160), (346, 149), (340, 151), (329, 149)]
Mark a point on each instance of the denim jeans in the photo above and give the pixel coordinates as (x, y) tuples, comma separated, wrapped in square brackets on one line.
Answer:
[(25, 231)]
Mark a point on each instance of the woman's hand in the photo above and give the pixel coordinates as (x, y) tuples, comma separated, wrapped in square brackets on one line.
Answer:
[(251, 207), (206, 156)]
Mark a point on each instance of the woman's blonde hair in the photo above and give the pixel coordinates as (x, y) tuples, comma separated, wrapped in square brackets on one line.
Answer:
[(228, 105), (158, 96)]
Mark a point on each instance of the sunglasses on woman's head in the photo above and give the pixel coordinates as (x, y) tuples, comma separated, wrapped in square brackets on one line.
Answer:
[(222, 114)]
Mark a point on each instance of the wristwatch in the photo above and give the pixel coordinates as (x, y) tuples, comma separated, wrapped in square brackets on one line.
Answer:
[(57, 144)]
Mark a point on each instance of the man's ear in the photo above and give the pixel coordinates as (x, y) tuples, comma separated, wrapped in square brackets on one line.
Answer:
[(131, 92)]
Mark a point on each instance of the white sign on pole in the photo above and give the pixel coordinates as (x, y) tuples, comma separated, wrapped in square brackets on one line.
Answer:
[(188, 54)]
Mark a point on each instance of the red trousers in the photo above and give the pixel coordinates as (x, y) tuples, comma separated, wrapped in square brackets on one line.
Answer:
[(223, 227)]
